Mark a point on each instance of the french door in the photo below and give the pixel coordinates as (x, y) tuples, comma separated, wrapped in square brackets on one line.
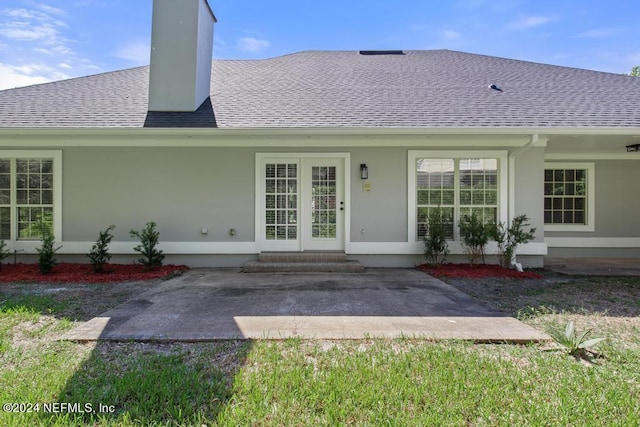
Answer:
[(301, 203)]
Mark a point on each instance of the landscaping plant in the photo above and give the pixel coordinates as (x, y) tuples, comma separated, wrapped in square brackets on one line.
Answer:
[(475, 235), (99, 254), (509, 238), (149, 237), (47, 252), (436, 248), (4, 252), (576, 345)]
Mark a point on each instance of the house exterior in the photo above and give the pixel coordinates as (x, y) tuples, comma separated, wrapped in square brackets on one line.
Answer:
[(235, 158)]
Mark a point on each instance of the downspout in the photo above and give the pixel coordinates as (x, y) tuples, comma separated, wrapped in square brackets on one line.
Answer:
[(512, 184)]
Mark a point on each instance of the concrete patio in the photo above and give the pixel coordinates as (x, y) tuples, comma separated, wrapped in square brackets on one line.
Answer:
[(214, 304)]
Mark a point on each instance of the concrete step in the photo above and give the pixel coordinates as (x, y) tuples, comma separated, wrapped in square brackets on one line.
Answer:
[(303, 267), (313, 256)]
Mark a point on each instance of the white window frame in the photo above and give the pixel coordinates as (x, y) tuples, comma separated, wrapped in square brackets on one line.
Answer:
[(56, 155), (590, 226), (503, 181)]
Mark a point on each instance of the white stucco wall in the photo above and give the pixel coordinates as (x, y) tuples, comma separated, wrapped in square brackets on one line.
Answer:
[(181, 189)]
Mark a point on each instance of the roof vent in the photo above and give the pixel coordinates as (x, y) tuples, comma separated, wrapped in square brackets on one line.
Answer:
[(381, 52)]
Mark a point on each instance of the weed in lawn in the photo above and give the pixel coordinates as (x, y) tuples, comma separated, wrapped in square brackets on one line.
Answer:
[(577, 345), (530, 312)]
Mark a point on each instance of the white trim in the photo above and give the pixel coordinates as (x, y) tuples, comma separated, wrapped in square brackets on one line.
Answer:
[(591, 197), (56, 155), (417, 248), (251, 248), (591, 156), (243, 132), (593, 242), (260, 159), (503, 177)]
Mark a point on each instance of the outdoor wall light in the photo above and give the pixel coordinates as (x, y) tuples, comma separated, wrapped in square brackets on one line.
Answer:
[(364, 171), (632, 147)]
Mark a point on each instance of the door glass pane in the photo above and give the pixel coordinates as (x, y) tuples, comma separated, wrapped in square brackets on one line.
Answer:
[(323, 202), (281, 195)]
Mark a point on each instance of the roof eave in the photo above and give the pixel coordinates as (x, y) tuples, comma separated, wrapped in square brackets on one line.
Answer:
[(308, 131)]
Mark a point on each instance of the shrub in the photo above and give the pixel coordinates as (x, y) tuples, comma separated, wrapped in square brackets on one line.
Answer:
[(475, 235), (509, 238), (151, 257), (436, 248), (46, 253), (99, 254), (4, 252)]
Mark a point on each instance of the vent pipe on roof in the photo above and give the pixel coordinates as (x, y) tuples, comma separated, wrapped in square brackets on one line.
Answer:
[(181, 54)]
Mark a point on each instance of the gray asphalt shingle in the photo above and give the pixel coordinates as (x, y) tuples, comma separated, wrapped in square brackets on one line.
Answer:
[(324, 89)]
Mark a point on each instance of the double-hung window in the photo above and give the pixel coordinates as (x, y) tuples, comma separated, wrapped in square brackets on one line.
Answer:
[(460, 184), (569, 197), (29, 194)]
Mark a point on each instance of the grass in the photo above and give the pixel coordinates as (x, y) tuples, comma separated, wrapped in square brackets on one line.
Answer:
[(305, 382)]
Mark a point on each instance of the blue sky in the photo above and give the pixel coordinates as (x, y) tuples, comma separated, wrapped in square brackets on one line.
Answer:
[(56, 39)]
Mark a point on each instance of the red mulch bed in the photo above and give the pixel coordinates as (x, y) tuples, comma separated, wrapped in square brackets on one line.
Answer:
[(476, 271), (82, 273)]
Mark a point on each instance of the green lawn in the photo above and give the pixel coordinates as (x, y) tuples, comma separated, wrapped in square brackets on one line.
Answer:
[(297, 382)]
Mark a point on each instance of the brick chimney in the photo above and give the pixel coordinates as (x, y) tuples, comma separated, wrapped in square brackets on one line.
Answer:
[(181, 53)]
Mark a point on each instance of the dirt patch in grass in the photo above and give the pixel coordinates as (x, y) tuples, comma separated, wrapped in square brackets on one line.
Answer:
[(73, 301), (613, 296)]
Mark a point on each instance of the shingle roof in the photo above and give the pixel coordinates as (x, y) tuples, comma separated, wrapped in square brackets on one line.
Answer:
[(325, 89)]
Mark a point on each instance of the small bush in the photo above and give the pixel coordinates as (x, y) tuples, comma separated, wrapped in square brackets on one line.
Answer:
[(47, 252), (436, 247), (99, 254), (509, 238), (4, 252), (475, 235), (149, 237)]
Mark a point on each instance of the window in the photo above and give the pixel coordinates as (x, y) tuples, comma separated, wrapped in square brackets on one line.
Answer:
[(281, 201), (460, 186), (568, 196), (435, 188), (28, 182)]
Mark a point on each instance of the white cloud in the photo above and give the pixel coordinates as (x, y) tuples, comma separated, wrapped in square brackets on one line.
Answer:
[(599, 33), (24, 75), (527, 22), (33, 25), (451, 35), (136, 52), (35, 46), (252, 45), (52, 10)]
